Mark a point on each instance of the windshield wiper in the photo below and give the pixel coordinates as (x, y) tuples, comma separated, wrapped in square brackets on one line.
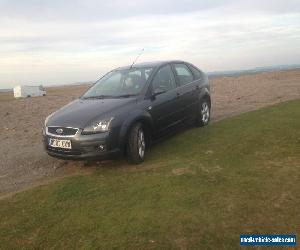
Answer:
[(125, 96), (98, 97), (109, 96)]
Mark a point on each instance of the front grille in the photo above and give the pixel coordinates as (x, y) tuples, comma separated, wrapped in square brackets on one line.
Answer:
[(62, 131)]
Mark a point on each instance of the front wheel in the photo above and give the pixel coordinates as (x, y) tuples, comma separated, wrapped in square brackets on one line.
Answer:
[(136, 144), (203, 115)]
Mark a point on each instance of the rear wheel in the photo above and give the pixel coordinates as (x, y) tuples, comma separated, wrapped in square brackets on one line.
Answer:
[(136, 144), (203, 115)]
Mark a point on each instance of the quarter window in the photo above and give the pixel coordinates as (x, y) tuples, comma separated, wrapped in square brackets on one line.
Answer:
[(184, 74), (164, 79)]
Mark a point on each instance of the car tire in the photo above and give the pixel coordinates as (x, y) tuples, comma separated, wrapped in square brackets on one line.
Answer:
[(136, 144), (203, 114)]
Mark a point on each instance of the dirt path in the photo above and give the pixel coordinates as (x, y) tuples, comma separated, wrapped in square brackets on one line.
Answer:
[(23, 161)]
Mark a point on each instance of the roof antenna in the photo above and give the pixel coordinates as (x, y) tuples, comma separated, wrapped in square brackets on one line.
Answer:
[(136, 58)]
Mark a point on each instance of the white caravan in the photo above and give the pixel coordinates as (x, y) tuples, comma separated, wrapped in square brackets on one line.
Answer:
[(29, 91)]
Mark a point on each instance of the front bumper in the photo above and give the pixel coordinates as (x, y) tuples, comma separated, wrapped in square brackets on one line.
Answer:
[(101, 145)]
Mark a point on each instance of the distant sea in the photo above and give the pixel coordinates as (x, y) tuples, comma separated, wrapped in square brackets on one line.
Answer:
[(210, 74), (253, 71), (51, 85), (5, 90)]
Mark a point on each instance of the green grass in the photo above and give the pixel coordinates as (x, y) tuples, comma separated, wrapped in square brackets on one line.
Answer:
[(197, 190)]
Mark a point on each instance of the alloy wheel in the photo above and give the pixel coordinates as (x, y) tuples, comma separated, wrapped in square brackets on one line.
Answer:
[(141, 143), (205, 112)]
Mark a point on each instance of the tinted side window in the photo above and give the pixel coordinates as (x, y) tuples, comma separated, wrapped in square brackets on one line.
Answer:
[(184, 74), (197, 73), (164, 79)]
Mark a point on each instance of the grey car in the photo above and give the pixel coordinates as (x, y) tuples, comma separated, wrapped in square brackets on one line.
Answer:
[(128, 108)]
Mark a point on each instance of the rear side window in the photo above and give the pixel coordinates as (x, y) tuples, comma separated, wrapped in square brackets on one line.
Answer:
[(183, 73), (197, 73)]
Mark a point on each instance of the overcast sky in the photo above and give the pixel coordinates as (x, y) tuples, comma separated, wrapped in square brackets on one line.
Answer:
[(56, 42)]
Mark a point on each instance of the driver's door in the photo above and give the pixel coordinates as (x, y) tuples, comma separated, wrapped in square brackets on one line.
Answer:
[(164, 99)]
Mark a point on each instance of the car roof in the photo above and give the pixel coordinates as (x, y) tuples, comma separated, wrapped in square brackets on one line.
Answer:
[(150, 64)]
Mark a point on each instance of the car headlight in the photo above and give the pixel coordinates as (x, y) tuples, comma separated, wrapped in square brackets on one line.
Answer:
[(98, 126)]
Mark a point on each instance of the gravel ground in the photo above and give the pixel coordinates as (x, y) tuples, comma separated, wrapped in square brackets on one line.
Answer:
[(24, 163)]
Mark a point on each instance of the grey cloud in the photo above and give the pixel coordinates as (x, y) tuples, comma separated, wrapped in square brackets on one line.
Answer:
[(81, 10), (90, 10), (270, 6), (88, 36)]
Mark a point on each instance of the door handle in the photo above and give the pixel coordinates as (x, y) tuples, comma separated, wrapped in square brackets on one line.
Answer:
[(178, 94), (197, 87)]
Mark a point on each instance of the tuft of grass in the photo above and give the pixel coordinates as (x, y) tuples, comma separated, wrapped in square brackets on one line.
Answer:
[(200, 189)]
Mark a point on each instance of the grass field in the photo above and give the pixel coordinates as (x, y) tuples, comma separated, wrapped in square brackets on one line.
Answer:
[(197, 190)]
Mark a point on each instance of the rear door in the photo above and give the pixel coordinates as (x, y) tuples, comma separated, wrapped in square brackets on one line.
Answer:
[(164, 110), (188, 90)]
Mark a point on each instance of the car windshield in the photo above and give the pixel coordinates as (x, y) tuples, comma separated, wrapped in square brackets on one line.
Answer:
[(119, 83)]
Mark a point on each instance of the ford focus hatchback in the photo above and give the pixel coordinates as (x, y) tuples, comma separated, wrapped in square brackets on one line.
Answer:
[(126, 109)]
